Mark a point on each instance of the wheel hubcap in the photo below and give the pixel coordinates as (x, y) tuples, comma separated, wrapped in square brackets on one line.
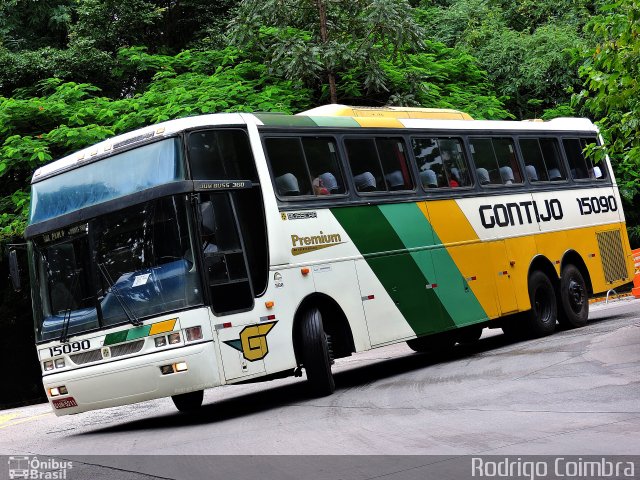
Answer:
[(543, 307), (576, 295)]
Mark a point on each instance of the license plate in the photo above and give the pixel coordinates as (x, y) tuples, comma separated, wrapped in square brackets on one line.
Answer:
[(60, 403)]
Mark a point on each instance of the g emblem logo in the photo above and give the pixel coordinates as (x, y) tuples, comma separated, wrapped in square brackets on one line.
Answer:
[(253, 341)]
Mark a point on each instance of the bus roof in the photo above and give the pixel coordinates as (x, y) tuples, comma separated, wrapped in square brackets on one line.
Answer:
[(326, 116), (335, 110)]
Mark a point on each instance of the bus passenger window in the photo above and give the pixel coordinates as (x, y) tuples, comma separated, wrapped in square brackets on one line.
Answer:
[(394, 164), (495, 160), (378, 164), (324, 166), (542, 159), (365, 165), (221, 154), (289, 166), (581, 166), (441, 162)]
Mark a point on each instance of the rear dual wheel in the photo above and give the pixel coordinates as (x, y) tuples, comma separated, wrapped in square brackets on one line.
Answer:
[(574, 302), (541, 319)]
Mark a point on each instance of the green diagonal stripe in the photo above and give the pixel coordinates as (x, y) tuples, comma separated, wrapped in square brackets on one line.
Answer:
[(403, 275), (115, 337), (454, 293)]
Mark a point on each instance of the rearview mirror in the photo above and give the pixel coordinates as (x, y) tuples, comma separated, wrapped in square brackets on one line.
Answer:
[(208, 218), (14, 270)]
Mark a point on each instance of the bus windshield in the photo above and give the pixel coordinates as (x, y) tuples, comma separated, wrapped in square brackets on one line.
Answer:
[(119, 268), (119, 175)]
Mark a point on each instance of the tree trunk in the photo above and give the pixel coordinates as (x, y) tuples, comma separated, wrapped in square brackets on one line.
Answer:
[(324, 37)]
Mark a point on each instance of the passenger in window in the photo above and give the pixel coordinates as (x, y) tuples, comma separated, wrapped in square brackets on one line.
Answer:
[(325, 184), (319, 187)]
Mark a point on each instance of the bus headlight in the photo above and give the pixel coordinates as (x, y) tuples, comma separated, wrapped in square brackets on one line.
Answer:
[(48, 365), (59, 362), (161, 341), (174, 338), (57, 391)]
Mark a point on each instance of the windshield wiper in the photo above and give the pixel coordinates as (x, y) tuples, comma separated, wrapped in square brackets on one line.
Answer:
[(64, 334), (116, 292)]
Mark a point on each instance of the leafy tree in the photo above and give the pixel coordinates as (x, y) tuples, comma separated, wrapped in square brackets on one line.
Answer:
[(527, 48), (26, 25), (612, 93), (318, 41), (65, 117)]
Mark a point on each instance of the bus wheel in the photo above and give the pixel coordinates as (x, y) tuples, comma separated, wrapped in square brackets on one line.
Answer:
[(437, 343), (469, 335), (316, 358), (574, 304), (541, 319), (188, 402)]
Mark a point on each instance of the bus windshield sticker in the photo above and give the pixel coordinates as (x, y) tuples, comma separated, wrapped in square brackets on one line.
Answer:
[(140, 280)]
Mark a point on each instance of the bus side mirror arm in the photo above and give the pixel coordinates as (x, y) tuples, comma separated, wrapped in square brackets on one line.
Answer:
[(14, 270)]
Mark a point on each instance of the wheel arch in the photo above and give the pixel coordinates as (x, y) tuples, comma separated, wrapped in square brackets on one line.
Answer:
[(543, 264), (573, 257), (334, 321)]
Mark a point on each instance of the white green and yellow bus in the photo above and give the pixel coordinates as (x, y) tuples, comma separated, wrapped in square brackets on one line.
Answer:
[(228, 248)]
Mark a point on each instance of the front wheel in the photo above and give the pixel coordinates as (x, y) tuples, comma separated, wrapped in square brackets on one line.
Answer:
[(188, 402), (316, 358), (574, 302), (541, 319), (435, 343)]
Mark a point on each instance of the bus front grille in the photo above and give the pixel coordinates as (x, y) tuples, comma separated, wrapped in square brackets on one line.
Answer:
[(612, 255), (116, 351)]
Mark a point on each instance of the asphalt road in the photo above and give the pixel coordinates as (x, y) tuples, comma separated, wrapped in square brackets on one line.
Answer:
[(576, 392)]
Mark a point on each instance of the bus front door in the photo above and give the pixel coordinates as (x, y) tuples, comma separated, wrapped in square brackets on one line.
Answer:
[(228, 281)]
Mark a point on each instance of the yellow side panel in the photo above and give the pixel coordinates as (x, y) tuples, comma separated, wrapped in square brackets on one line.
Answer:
[(379, 122), (520, 252), (448, 221), (469, 254)]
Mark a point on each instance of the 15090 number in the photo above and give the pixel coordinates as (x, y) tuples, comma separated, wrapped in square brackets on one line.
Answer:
[(603, 204), (69, 348)]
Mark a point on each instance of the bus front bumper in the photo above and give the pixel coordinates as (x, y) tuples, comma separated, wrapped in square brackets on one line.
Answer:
[(135, 379)]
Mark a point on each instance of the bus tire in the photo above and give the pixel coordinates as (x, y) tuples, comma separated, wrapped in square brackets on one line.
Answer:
[(469, 335), (541, 319), (436, 343), (573, 308), (188, 402), (316, 359)]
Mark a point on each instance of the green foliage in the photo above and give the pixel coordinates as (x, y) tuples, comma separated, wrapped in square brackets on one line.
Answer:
[(612, 94), (528, 48), (360, 36), (34, 25), (68, 116)]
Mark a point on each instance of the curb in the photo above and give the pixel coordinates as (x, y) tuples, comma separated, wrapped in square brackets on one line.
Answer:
[(611, 297)]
